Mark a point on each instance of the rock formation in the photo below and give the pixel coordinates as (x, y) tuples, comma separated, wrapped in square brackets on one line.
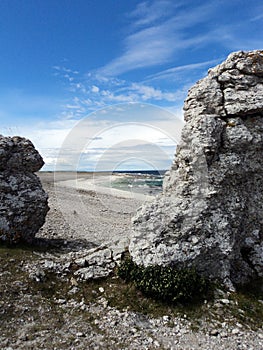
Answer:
[(23, 202), (210, 214)]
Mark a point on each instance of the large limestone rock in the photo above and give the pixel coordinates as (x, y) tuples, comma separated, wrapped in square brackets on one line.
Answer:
[(210, 214), (23, 202)]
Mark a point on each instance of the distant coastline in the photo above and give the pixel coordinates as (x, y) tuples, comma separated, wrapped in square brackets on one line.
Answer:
[(135, 172), (140, 172), (142, 184)]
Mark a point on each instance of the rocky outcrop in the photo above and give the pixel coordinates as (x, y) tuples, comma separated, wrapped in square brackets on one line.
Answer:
[(210, 214), (86, 264), (23, 202)]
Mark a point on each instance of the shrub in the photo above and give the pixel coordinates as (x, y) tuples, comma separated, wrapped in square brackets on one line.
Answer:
[(165, 283)]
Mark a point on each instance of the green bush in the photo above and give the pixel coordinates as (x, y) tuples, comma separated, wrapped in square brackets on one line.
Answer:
[(165, 283)]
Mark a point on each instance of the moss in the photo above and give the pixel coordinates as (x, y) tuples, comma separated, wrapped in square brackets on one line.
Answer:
[(165, 283)]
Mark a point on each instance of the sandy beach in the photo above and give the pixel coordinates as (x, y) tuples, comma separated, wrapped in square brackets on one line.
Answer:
[(101, 184)]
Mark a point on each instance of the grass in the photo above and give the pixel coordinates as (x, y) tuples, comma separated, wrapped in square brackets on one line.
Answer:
[(166, 283), (248, 304)]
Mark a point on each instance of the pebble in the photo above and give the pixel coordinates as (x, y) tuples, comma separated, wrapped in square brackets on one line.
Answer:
[(235, 331), (223, 335), (60, 301), (80, 334), (214, 332), (73, 291), (218, 305), (156, 343), (166, 318)]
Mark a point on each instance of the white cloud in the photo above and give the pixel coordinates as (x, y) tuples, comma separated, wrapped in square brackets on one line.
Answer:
[(146, 93), (113, 97), (95, 89), (87, 144), (96, 94), (65, 70), (125, 130), (121, 142)]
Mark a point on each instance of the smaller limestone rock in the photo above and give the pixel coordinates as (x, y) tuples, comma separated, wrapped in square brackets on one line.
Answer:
[(23, 202)]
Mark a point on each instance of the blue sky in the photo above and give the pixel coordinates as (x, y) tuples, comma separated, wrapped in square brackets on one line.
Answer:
[(105, 63)]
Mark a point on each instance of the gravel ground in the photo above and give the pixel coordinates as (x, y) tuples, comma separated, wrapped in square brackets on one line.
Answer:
[(58, 312), (88, 215)]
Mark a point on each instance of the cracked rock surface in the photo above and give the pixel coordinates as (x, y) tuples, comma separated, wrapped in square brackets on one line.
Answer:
[(23, 202), (210, 214)]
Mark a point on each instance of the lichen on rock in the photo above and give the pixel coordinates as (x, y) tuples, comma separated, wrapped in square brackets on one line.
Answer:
[(23, 202), (210, 214)]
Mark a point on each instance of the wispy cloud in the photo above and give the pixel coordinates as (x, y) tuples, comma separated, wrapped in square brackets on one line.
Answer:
[(151, 44), (108, 137), (234, 37), (148, 47), (169, 73), (258, 17), (148, 12), (160, 32)]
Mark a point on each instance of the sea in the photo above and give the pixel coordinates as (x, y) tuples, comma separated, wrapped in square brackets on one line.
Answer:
[(148, 182)]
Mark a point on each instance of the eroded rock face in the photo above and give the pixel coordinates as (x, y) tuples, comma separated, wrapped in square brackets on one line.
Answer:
[(23, 202), (210, 214)]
